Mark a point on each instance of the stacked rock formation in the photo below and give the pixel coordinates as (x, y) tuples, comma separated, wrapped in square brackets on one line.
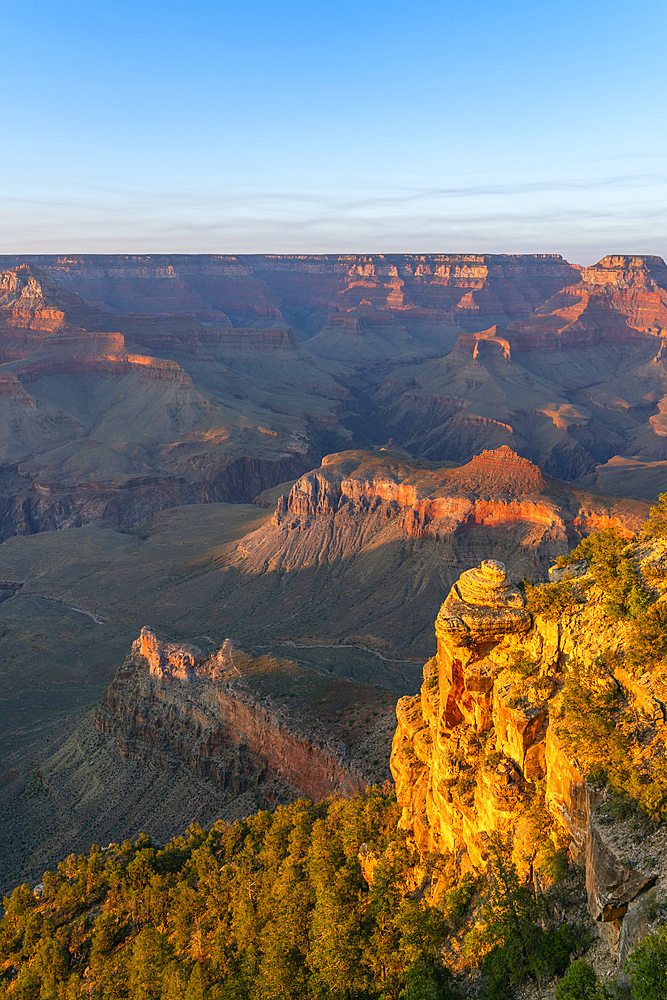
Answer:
[(451, 794), (482, 605)]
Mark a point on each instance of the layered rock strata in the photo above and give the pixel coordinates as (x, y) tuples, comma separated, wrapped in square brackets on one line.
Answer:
[(385, 491), (31, 300), (95, 409), (470, 749), (191, 370), (375, 536), (421, 288), (618, 299)]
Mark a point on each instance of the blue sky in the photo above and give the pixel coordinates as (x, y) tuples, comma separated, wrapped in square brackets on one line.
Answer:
[(334, 126)]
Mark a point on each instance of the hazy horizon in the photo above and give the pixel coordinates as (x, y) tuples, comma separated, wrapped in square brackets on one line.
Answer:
[(315, 253)]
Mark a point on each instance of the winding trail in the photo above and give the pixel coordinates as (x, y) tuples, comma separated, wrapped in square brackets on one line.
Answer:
[(339, 645), (98, 621), (68, 607)]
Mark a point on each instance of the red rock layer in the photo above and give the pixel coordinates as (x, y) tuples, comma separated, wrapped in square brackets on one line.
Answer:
[(170, 699), (616, 300), (497, 488)]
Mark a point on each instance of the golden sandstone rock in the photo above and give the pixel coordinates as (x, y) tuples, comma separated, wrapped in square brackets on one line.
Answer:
[(482, 605), (470, 749), (451, 799)]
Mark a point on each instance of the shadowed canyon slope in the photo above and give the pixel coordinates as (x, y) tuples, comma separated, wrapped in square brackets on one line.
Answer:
[(109, 423), (131, 384), (359, 552), (367, 543)]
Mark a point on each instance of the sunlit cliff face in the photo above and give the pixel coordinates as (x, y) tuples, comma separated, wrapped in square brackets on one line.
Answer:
[(481, 744)]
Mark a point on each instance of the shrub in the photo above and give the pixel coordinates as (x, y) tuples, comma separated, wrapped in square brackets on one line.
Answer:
[(596, 727), (610, 558), (655, 526), (589, 723), (457, 899), (580, 982), (536, 954), (589, 716), (552, 861), (652, 906), (648, 638), (466, 782), (521, 949), (552, 599), (523, 665), (647, 968)]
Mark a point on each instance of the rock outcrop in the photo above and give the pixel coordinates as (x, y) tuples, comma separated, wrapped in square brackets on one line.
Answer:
[(225, 717), (363, 546), (31, 300), (482, 606), (452, 797), (472, 747)]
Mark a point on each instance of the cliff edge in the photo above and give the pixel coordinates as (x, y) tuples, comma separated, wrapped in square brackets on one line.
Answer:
[(488, 742)]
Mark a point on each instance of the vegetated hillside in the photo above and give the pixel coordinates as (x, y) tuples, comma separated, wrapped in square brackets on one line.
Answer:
[(334, 898), (128, 385), (274, 905)]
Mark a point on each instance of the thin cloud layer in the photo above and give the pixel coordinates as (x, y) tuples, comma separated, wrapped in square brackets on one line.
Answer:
[(580, 217)]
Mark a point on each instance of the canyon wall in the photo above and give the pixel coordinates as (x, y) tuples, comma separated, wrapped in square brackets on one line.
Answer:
[(305, 289), (217, 377), (619, 299), (534, 294), (480, 741)]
